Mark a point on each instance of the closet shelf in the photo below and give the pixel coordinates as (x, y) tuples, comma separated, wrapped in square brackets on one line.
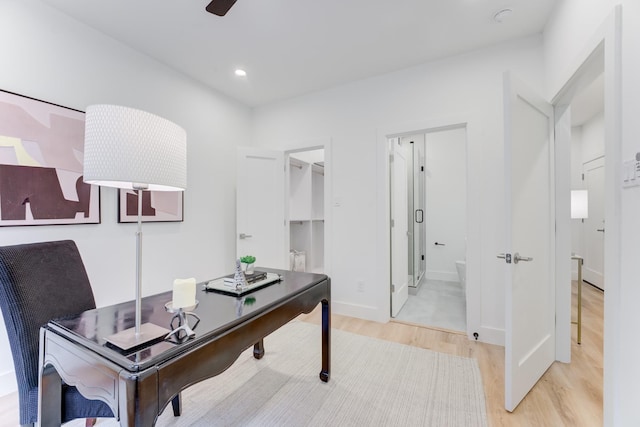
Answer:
[(306, 212)]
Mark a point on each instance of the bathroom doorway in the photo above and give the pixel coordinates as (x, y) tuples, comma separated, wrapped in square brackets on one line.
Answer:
[(437, 217)]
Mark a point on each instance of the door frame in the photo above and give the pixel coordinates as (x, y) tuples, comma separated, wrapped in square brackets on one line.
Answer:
[(601, 53), (399, 289), (604, 47), (474, 191)]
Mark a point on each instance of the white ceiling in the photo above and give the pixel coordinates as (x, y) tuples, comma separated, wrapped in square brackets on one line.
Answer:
[(292, 47)]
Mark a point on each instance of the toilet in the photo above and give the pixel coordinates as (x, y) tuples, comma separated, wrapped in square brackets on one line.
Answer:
[(461, 266)]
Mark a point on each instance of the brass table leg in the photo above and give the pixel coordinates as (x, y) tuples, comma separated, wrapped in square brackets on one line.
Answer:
[(580, 301), (579, 322)]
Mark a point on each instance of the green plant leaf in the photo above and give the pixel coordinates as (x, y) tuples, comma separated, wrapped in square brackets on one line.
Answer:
[(248, 259)]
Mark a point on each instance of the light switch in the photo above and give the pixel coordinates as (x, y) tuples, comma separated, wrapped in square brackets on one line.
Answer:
[(631, 172)]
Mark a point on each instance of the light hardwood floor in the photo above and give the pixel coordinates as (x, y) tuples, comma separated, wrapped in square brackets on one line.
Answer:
[(567, 395)]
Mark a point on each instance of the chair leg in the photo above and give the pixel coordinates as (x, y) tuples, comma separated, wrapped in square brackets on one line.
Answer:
[(90, 422), (177, 406)]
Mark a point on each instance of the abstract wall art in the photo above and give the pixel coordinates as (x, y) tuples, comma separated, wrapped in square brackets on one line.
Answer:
[(41, 155), (157, 206)]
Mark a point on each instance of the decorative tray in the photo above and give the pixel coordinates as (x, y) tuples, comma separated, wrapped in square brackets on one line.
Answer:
[(229, 288)]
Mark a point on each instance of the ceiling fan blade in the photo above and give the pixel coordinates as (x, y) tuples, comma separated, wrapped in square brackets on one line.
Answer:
[(220, 7)]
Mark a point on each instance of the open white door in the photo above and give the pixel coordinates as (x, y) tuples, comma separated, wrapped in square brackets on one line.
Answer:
[(260, 219), (399, 227), (593, 227), (530, 248)]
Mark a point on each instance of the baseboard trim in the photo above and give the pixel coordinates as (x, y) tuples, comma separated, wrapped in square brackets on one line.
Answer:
[(446, 276), (490, 336), (359, 311)]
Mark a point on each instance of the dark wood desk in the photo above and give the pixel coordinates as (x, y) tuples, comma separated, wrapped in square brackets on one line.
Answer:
[(138, 386)]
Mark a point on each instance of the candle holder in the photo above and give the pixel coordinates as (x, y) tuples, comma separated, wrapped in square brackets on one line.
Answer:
[(182, 330)]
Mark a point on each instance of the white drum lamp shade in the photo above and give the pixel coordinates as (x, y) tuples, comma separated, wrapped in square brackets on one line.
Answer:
[(129, 148), (132, 149), (579, 204)]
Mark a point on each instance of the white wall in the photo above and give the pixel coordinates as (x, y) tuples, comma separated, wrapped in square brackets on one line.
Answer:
[(574, 26), (48, 56), (353, 115), (592, 138), (446, 207)]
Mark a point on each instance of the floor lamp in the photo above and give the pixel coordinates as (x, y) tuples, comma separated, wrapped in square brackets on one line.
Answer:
[(132, 149)]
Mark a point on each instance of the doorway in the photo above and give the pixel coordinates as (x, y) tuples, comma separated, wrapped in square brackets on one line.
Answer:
[(597, 69), (435, 172), (295, 232), (306, 209)]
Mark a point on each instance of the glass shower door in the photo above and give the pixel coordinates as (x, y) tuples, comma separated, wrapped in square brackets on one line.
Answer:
[(419, 203), (416, 200)]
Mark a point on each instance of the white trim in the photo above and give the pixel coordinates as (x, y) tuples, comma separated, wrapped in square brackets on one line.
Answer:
[(563, 233), (359, 311), (446, 276), (491, 335)]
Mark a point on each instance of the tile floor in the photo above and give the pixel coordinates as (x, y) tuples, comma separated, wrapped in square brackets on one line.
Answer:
[(437, 303)]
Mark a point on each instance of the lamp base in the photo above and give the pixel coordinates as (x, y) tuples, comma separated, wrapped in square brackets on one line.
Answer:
[(128, 338)]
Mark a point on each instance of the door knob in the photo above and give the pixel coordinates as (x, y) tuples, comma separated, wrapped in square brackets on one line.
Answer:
[(600, 230), (517, 258), (245, 236)]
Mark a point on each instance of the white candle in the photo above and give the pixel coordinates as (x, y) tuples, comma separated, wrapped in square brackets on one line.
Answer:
[(184, 293)]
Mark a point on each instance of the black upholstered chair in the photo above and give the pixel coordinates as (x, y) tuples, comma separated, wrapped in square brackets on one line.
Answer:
[(39, 282)]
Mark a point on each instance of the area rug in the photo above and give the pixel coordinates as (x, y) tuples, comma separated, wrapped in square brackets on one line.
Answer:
[(373, 383)]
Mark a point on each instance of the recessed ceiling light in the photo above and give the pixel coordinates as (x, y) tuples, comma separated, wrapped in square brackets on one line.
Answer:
[(240, 72), (501, 15)]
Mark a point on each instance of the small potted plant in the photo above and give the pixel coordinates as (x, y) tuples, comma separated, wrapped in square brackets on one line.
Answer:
[(248, 263)]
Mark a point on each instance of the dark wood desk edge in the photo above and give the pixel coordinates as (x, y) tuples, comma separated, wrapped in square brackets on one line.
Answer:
[(130, 366), (117, 381)]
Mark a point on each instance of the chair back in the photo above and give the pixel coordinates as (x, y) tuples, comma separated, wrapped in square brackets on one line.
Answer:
[(38, 282)]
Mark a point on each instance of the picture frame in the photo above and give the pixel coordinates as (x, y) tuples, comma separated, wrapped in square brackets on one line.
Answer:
[(41, 164), (157, 206)]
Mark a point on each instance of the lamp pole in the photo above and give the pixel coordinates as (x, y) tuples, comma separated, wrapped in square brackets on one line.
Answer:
[(139, 189)]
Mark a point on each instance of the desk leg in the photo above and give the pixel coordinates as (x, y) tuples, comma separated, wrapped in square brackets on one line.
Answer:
[(176, 404), (326, 341), (258, 349), (50, 398), (49, 389)]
